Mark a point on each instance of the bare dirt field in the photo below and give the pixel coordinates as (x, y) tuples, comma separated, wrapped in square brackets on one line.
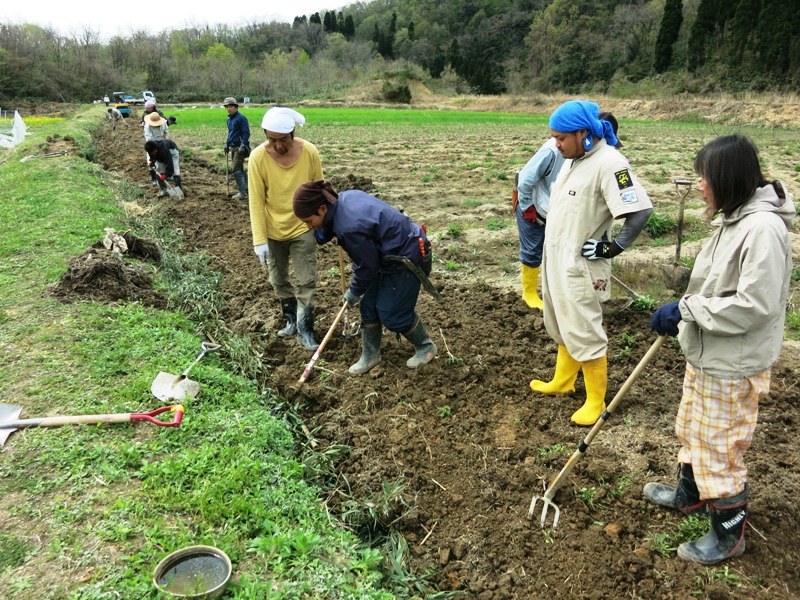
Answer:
[(465, 436)]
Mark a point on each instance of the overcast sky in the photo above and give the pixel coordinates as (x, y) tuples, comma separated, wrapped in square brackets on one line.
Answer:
[(111, 18)]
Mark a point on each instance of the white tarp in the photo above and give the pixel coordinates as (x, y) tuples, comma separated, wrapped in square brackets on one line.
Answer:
[(18, 131)]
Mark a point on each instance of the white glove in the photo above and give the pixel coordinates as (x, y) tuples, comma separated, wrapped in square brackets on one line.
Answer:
[(262, 251)]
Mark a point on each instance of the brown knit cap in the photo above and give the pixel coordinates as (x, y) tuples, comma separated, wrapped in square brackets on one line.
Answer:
[(310, 196)]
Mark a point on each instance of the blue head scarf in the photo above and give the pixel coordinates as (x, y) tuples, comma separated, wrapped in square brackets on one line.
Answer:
[(575, 115)]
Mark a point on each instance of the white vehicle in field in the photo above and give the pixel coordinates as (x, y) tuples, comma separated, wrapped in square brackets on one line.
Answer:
[(143, 97)]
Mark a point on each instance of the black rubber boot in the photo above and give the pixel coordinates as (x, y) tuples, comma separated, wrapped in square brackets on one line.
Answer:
[(425, 348), (371, 334), (725, 538), (162, 189), (289, 308), (305, 328), (685, 496), (241, 183)]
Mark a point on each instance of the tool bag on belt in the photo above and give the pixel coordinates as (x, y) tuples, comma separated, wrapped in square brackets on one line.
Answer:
[(426, 264)]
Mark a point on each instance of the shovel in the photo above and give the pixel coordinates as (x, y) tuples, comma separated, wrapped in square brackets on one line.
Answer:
[(547, 499), (349, 330), (318, 351), (176, 387), (10, 422), (48, 155), (676, 276)]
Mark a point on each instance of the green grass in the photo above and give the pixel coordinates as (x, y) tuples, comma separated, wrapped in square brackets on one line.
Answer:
[(90, 510), (189, 118)]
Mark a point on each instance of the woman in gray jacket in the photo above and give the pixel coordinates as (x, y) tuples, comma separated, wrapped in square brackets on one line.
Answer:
[(730, 327)]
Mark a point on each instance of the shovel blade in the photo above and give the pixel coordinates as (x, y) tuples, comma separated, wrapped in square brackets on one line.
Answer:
[(9, 414), (167, 386)]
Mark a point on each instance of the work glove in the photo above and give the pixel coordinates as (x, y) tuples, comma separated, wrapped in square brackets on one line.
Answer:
[(226, 150), (665, 320), (351, 299), (152, 163), (244, 151), (262, 251), (594, 249), (162, 177)]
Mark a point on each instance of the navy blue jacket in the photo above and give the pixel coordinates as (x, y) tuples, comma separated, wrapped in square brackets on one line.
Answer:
[(368, 229), (163, 155), (238, 131)]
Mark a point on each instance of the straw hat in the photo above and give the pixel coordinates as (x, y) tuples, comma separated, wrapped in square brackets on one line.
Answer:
[(155, 120)]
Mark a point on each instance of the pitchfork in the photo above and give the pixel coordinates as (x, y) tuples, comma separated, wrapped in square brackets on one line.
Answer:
[(547, 499)]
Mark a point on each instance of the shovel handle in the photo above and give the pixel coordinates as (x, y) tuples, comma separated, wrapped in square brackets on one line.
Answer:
[(178, 409), (207, 347), (324, 341)]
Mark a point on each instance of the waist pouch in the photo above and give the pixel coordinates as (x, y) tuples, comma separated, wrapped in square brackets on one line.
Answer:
[(427, 259)]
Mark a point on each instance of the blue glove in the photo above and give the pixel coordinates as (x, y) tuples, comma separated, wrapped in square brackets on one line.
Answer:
[(594, 249), (665, 320), (351, 299)]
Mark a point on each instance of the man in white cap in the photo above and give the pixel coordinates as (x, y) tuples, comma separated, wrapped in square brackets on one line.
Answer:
[(277, 168)]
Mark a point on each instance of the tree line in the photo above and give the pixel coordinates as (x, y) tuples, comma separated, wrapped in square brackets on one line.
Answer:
[(477, 46)]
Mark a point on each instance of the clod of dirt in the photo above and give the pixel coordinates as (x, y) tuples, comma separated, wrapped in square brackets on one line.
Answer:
[(351, 182), (100, 274)]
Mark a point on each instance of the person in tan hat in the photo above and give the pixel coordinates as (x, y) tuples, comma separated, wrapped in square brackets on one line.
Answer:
[(238, 144), (154, 127), (277, 168)]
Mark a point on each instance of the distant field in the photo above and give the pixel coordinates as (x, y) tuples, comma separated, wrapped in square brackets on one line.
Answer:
[(199, 117)]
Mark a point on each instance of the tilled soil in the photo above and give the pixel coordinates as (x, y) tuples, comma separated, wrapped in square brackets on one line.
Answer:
[(465, 444)]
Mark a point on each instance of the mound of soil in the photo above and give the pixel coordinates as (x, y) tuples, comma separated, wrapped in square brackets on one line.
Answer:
[(102, 275), (451, 454)]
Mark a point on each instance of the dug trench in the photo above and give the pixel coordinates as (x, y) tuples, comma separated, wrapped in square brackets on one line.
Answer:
[(451, 454)]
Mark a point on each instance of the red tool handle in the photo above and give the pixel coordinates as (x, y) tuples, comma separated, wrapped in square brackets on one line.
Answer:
[(178, 409)]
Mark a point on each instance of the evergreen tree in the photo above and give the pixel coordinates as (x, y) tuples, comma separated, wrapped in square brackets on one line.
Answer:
[(315, 19), (349, 28), (741, 29), (668, 34), (702, 31), (329, 22), (340, 22), (411, 31)]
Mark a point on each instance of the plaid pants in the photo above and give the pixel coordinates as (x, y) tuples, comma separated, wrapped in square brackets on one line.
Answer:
[(715, 425)]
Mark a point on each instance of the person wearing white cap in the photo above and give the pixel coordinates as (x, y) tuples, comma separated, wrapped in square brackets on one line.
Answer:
[(277, 168)]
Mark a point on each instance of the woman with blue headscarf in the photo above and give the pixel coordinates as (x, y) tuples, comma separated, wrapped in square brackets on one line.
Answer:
[(594, 187)]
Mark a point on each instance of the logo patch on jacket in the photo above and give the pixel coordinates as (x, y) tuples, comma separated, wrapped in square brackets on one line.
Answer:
[(624, 179)]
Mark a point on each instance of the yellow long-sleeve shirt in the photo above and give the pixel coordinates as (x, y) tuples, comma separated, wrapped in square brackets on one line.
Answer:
[(271, 188)]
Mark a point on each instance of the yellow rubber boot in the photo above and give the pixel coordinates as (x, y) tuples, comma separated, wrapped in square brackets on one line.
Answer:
[(530, 279), (595, 377), (564, 379)]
